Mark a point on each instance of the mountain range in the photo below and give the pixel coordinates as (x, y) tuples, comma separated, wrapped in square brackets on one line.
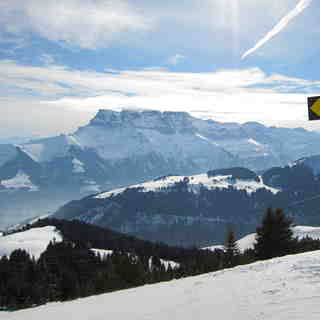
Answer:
[(121, 148)]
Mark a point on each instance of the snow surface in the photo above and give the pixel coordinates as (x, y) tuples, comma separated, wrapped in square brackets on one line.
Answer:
[(206, 139), (286, 288), (47, 149), (72, 140), (176, 137), (195, 182), (23, 223), (21, 180), (102, 252), (256, 143), (166, 263), (170, 263), (78, 166), (34, 150), (249, 240), (34, 241)]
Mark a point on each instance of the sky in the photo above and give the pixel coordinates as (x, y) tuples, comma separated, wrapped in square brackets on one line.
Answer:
[(226, 60)]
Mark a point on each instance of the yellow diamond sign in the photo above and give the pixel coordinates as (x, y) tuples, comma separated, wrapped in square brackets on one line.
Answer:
[(314, 108)]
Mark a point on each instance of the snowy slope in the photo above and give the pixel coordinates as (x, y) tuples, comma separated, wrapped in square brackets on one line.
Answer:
[(20, 181), (284, 288), (195, 181), (248, 241), (179, 137), (47, 149), (34, 241)]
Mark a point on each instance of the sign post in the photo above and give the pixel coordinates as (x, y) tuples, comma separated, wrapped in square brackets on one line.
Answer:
[(314, 108)]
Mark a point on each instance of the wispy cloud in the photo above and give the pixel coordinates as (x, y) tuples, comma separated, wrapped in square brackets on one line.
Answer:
[(87, 24), (237, 95), (47, 59), (57, 81), (148, 24), (282, 24)]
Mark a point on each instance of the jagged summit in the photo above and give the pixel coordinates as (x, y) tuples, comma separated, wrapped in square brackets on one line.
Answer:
[(143, 119)]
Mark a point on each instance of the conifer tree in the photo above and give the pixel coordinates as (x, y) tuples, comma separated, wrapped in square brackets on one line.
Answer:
[(274, 237), (231, 250)]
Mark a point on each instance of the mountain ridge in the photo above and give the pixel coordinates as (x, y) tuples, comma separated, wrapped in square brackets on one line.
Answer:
[(191, 210), (128, 147)]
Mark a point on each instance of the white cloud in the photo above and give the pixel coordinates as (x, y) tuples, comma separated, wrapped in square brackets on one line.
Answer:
[(281, 25), (210, 26), (225, 95), (84, 23), (31, 117)]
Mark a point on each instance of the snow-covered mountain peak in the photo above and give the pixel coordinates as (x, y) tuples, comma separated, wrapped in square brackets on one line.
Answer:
[(106, 117), (43, 150), (146, 119)]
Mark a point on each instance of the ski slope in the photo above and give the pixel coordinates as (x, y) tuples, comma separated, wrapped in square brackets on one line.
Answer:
[(286, 288)]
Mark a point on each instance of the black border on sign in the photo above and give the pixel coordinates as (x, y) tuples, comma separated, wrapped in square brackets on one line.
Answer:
[(311, 101)]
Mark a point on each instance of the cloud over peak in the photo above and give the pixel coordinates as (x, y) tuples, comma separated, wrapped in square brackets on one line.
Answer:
[(240, 94)]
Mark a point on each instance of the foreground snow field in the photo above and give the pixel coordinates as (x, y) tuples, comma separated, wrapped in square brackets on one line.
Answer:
[(286, 288)]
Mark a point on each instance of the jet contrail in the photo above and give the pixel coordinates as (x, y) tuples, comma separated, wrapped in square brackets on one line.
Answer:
[(301, 6)]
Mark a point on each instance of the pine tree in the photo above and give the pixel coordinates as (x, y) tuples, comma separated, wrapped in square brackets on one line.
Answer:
[(231, 250), (275, 237)]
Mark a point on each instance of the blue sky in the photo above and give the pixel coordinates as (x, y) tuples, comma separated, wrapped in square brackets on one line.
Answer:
[(61, 61)]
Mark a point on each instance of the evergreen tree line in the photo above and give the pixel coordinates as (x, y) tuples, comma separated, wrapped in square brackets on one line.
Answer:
[(70, 269), (67, 271), (274, 238)]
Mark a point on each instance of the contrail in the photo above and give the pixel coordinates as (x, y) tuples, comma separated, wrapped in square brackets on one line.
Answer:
[(301, 6)]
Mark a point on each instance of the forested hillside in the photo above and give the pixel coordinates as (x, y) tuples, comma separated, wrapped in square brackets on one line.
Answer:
[(196, 210), (88, 260)]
